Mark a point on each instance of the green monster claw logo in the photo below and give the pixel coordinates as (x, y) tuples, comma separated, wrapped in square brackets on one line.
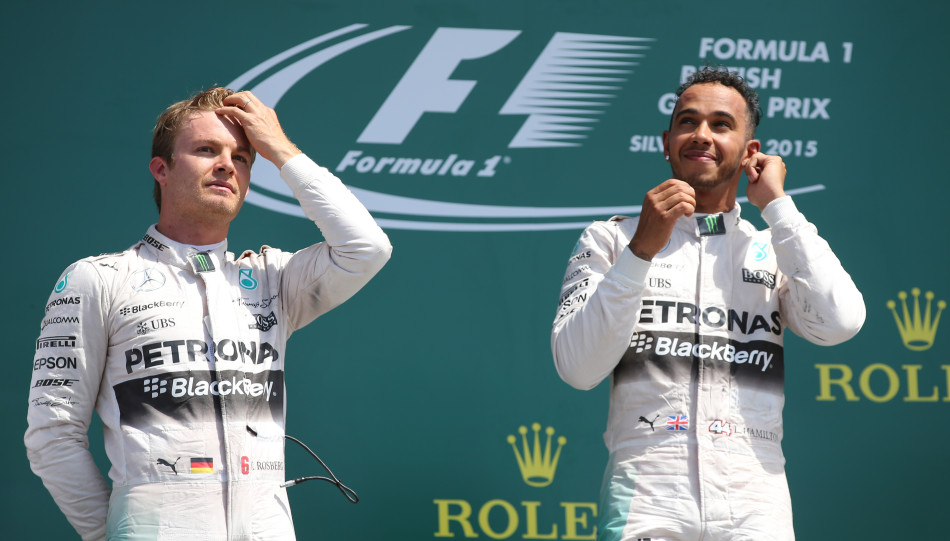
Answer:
[(204, 262)]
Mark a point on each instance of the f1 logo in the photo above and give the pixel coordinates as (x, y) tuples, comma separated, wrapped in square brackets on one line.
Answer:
[(571, 81)]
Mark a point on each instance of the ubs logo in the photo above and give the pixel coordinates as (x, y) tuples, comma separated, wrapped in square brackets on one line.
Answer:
[(146, 327)]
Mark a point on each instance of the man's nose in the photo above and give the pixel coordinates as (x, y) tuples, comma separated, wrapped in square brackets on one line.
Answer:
[(702, 133), (225, 163)]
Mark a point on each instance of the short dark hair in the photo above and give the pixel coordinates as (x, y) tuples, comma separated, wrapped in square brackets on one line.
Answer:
[(720, 74), (169, 123)]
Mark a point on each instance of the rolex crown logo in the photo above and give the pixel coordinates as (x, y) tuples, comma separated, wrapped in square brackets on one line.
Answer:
[(917, 330), (536, 464)]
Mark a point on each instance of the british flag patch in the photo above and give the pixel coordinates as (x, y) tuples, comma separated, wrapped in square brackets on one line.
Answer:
[(677, 422)]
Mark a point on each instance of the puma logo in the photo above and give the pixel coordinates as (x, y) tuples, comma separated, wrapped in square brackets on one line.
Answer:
[(649, 422), (163, 462)]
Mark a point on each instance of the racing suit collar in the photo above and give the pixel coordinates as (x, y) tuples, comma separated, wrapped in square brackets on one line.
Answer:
[(177, 254), (731, 220)]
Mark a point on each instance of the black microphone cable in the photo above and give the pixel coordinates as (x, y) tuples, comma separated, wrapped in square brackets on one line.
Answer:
[(348, 492)]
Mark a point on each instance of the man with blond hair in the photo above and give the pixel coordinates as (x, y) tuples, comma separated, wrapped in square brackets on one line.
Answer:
[(180, 347)]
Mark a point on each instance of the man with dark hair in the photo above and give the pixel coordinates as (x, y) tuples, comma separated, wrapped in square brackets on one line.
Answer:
[(684, 309), (180, 347)]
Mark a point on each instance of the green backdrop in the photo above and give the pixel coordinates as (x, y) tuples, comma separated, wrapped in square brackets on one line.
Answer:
[(484, 136)]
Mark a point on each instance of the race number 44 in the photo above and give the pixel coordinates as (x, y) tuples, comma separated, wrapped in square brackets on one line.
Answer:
[(721, 427)]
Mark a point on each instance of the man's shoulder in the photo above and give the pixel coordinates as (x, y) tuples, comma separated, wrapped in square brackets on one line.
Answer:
[(101, 265), (616, 226), (265, 252)]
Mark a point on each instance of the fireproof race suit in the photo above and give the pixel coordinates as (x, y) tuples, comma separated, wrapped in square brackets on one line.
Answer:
[(182, 355), (692, 342)]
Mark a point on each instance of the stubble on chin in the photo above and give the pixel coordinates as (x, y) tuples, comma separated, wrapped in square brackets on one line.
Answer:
[(706, 182)]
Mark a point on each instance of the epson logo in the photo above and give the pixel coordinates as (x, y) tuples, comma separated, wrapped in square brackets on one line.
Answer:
[(54, 363), (759, 277)]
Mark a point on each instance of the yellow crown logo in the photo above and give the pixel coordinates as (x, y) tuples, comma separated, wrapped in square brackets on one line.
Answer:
[(537, 466), (917, 331)]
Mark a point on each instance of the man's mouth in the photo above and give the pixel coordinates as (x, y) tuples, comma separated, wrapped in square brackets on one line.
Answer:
[(221, 186), (700, 156)]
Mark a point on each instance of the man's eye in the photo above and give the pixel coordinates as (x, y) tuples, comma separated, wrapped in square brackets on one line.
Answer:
[(241, 158), (205, 149)]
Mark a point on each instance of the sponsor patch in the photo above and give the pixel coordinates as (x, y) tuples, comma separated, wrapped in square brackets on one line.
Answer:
[(765, 278), (262, 322), (56, 342), (202, 262), (711, 225)]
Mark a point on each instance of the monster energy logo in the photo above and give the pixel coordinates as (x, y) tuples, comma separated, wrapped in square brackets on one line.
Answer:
[(203, 262), (711, 225)]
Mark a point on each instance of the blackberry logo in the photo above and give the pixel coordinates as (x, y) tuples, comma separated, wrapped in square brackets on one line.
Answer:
[(641, 342), (143, 307), (154, 386)]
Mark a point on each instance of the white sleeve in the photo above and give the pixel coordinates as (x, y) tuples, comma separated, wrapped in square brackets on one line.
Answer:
[(819, 301), (599, 307), (322, 276), (67, 368)]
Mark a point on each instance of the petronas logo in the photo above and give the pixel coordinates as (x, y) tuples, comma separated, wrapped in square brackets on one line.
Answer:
[(535, 462), (917, 329)]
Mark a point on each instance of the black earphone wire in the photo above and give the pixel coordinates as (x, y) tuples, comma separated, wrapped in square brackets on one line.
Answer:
[(348, 492)]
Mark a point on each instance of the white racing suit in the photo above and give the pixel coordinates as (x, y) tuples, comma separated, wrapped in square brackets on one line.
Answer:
[(692, 343), (182, 355)]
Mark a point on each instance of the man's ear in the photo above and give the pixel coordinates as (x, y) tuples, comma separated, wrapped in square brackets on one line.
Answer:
[(159, 169), (752, 146), (666, 144)]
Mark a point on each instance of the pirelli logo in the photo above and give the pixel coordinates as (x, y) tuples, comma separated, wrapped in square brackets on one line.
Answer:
[(56, 342)]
